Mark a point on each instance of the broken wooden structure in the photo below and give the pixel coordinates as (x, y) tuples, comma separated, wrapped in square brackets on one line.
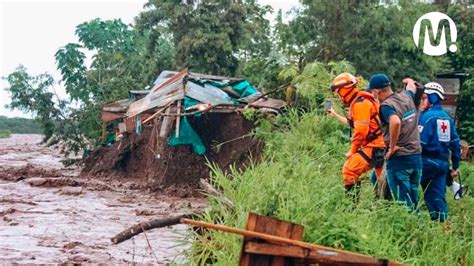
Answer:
[(273, 242), (267, 241), (177, 95)]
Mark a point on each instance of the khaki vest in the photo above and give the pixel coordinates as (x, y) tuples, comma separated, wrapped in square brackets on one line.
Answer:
[(409, 140)]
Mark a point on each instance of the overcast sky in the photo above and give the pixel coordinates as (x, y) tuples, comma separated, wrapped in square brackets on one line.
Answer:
[(32, 31)]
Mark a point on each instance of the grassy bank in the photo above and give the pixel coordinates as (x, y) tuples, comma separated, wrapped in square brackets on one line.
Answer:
[(299, 180), (5, 133)]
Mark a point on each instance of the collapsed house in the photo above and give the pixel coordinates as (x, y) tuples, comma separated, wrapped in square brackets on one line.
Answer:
[(168, 135)]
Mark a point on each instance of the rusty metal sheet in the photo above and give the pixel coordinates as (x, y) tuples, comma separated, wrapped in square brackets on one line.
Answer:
[(210, 77), (166, 74), (108, 116), (207, 94), (160, 95), (118, 106)]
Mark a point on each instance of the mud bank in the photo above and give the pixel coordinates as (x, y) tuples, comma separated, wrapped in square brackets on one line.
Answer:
[(50, 215), (152, 163)]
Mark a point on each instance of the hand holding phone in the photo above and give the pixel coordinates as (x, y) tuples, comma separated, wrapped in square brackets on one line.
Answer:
[(327, 106)]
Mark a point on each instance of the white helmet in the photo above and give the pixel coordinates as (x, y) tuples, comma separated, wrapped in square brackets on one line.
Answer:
[(433, 87)]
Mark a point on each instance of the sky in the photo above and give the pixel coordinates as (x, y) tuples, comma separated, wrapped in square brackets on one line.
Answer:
[(31, 31)]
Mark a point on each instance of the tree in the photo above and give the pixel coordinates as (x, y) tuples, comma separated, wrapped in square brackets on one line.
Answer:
[(208, 34), (119, 63), (463, 60), (375, 36), (31, 94)]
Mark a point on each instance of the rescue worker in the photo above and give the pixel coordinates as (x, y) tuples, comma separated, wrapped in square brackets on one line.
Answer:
[(399, 121), (343, 120), (438, 138), (367, 144)]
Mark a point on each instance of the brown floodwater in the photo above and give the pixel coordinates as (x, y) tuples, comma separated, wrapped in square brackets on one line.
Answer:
[(57, 223)]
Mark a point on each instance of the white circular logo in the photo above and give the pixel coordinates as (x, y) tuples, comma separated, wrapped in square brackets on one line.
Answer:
[(439, 47)]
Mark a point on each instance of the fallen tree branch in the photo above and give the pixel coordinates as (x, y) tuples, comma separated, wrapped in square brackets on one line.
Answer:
[(163, 222), (145, 226), (214, 192)]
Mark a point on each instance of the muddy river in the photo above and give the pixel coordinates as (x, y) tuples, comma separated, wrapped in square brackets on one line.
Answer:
[(47, 218)]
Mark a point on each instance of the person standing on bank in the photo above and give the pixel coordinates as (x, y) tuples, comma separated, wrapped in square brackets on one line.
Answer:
[(439, 138), (399, 121), (367, 143)]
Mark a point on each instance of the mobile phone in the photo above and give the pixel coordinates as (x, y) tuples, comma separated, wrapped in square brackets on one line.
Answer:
[(327, 105)]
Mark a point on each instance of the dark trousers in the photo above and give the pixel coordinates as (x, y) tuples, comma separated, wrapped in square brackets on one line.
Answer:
[(433, 182)]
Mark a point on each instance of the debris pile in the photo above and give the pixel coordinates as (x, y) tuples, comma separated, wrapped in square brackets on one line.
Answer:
[(166, 136)]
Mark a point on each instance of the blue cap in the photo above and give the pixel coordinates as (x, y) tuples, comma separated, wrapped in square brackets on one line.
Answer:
[(379, 81)]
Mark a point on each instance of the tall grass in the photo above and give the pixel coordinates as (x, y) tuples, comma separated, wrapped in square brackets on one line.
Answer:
[(299, 180)]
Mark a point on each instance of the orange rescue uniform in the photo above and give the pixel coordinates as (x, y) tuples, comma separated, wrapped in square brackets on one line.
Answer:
[(364, 120)]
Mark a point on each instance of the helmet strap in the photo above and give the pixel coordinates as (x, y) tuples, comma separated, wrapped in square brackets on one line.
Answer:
[(354, 95)]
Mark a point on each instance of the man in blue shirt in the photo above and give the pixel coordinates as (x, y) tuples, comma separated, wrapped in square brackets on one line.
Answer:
[(438, 138), (399, 121)]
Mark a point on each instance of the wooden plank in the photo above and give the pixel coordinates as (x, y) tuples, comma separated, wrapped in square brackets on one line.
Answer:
[(283, 229), (306, 255), (178, 119), (265, 225), (275, 250), (250, 226), (297, 232), (165, 124)]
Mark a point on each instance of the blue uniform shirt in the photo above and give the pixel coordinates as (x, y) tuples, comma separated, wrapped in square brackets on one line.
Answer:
[(438, 135), (412, 161)]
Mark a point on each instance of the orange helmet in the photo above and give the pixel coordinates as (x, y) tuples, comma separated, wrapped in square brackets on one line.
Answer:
[(345, 85), (344, 80)]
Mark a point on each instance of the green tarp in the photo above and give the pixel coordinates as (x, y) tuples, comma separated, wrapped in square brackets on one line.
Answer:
[(187, 135)]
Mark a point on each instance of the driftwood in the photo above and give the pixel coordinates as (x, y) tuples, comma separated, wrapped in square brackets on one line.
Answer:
[(145, 226), (208, 188)]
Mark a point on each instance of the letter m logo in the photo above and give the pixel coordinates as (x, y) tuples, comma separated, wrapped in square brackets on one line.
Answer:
[(439, 40)]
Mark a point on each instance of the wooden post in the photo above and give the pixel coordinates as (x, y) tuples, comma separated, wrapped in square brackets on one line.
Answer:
[(178, 119)]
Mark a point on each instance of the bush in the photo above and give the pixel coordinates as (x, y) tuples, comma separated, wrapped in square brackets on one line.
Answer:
[(299, 180), (5, 133)]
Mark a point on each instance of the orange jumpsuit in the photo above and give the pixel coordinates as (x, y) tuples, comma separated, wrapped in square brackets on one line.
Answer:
[(364, 121)]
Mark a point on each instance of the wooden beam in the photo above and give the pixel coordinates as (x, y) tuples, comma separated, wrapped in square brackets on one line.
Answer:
[(306, 255)]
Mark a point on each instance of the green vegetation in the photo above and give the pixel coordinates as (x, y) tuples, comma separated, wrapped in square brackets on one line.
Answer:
[(299, 177), (235, 38), (18, 125), (5, 133), (299, 180)]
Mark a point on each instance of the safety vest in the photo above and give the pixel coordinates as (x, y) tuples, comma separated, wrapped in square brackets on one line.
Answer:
[(376, 131)]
